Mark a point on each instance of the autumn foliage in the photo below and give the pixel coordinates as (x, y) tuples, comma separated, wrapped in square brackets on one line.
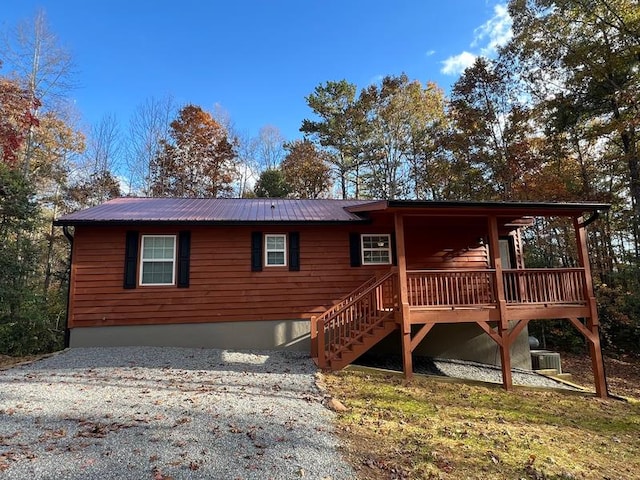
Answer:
[(16, 118), (196, 160)]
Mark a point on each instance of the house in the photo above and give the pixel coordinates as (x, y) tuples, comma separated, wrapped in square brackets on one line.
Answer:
[(333, 277)]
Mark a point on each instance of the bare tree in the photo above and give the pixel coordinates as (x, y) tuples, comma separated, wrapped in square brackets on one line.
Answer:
[(104, 145), (148, 128), (248, 165), (270, 147), (96, 177), (35, 57)]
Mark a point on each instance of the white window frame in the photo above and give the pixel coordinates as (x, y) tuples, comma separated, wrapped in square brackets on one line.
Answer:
[(154, 260), (267, 250), (379, 249)]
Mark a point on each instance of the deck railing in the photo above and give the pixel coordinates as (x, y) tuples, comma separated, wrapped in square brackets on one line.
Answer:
[(450, 288), (460, 288), (545, 286), (338, 327)]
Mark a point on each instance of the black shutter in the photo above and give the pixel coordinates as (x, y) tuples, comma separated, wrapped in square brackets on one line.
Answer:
[(130, 259), (256, 251), (394, 251), (294, 251), (184, 252), (354, 249)]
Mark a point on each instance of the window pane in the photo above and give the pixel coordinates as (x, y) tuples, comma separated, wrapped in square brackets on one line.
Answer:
[(375, 241), (275, 258), (376, 256), (160, 248), (157, 272), (275, 243)]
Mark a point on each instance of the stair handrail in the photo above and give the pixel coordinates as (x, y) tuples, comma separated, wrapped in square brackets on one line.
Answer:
[(323, 320), (350, 296), (377, 281)]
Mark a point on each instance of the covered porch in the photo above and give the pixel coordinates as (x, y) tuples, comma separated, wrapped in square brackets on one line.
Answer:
[(462, 262)]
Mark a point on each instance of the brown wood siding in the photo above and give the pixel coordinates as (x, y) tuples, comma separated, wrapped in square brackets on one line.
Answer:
[(445, 248), (222, 285)]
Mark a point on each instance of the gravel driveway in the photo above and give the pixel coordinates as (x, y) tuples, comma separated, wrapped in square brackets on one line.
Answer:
[(161, 413)]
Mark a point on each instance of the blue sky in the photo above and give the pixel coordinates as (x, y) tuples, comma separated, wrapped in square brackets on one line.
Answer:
[(257, 59)]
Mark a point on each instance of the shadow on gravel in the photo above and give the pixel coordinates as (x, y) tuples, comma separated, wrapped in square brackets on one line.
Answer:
[(423, 365)]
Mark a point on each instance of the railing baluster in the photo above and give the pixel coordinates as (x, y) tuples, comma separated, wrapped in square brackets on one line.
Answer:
[(450, 288)]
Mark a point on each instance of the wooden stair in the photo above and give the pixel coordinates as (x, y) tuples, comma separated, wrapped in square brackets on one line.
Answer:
[(359, 345), (356, 323)]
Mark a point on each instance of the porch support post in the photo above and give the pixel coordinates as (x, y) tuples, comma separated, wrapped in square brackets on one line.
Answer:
[(503, 324), (314, 336), (592, 322), (407, 361), (505, 356)]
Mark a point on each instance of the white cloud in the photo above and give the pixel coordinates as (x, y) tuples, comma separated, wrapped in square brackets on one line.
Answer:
[(487, 38), (430, 53), (495, 32), (458, 63)]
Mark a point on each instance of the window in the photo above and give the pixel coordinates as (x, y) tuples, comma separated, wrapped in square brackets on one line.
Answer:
[(275, 250), (376, 249), (157, 261)]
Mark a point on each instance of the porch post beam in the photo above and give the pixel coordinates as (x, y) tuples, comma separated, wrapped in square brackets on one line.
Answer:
[(407, 360), (503, 324), (582, 329), (322, 356), (490, 331), (496, 264), (505, 357), (314, 336), (418, 337), (583, 258), (595, 350), (515, 331)]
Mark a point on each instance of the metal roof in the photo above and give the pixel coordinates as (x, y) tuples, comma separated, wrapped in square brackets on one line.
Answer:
[(214, 210), (127, 210)]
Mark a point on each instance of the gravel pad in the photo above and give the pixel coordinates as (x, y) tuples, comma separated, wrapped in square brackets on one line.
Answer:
[(162, 413), (463, 369)]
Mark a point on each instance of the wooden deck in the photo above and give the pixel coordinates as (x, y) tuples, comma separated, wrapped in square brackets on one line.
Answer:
[(446, 296), (500, 301)]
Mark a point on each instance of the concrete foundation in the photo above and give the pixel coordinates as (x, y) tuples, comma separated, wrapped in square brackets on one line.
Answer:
[(455, 341), (262, 335)]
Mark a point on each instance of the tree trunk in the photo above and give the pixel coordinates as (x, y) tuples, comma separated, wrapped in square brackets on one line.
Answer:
[(631, 151)]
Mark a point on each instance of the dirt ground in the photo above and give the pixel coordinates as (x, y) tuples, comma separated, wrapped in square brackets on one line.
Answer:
[(623, 372)]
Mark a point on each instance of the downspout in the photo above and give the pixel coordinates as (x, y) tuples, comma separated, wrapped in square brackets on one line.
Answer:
[(65, 230), (594, 216)]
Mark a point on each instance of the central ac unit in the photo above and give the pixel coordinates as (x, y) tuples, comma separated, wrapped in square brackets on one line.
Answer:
[(544, 360)]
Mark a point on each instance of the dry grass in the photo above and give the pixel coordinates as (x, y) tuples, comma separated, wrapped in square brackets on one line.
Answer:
[(432, 429), (7, 361), (623, 373)]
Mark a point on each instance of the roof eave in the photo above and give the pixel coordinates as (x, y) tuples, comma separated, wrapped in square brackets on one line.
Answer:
[(482, 208), (372, 206)]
